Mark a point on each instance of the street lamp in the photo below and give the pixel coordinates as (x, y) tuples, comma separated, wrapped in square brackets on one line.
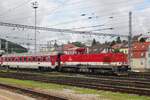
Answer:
[(35, 6)]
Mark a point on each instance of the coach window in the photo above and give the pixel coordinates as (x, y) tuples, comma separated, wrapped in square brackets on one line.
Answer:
[(25, 59), (29, 59), (16, 59), (48, 58), (5, 59), (20, 59), (13, 59), (33, 58), (36, 58), (44, 58), (9, 59), (39, 59)]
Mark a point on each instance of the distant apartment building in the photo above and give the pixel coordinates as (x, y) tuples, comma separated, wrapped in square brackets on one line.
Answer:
[(140, 57)]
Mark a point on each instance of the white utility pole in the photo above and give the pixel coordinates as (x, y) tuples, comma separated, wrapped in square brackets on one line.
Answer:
[(35, 6), (130, 39)]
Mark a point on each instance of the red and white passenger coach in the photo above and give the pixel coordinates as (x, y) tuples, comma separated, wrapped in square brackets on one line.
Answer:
[(29, 61)]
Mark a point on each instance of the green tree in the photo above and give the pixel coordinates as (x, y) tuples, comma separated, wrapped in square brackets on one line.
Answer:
[(142, 40), (118, 40), (78, 44), (93, 42), (113, 43), (116, 51)]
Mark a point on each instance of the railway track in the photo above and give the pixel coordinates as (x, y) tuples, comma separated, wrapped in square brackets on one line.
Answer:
[(39, 95), (121, 84)]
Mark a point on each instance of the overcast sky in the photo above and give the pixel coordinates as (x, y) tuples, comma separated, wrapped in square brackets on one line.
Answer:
[(74, 14)]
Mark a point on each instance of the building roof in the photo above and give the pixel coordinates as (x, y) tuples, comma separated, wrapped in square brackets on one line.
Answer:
[(136, 38), (69, 46), (140, 46), (117, 46), (98, 48), (120, 45), (139, 49)]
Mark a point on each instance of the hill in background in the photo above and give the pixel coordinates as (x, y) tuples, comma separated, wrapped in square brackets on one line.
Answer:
[(12, 47)]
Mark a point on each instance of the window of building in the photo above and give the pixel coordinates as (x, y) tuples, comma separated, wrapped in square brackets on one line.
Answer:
[(142, 54), (131, 54), (141, 62), (135, 47), (143, 46)]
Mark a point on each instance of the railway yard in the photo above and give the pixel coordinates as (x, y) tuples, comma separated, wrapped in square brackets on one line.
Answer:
[(74, 50), (133, 84)]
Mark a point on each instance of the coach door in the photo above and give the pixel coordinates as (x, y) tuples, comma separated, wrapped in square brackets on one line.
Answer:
[(53, 60)]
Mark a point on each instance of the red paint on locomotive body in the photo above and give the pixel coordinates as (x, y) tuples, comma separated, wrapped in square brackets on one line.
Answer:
[(103, 57)]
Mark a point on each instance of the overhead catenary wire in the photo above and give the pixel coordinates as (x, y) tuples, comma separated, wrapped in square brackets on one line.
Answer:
[(89, 26), (58, 30)]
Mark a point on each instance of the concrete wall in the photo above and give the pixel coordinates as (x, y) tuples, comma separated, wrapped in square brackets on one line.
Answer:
[(138, 64), (148, 59)]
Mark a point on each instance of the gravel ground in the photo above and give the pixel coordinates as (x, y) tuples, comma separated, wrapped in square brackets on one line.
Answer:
[(7, 95), (72, 95)]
